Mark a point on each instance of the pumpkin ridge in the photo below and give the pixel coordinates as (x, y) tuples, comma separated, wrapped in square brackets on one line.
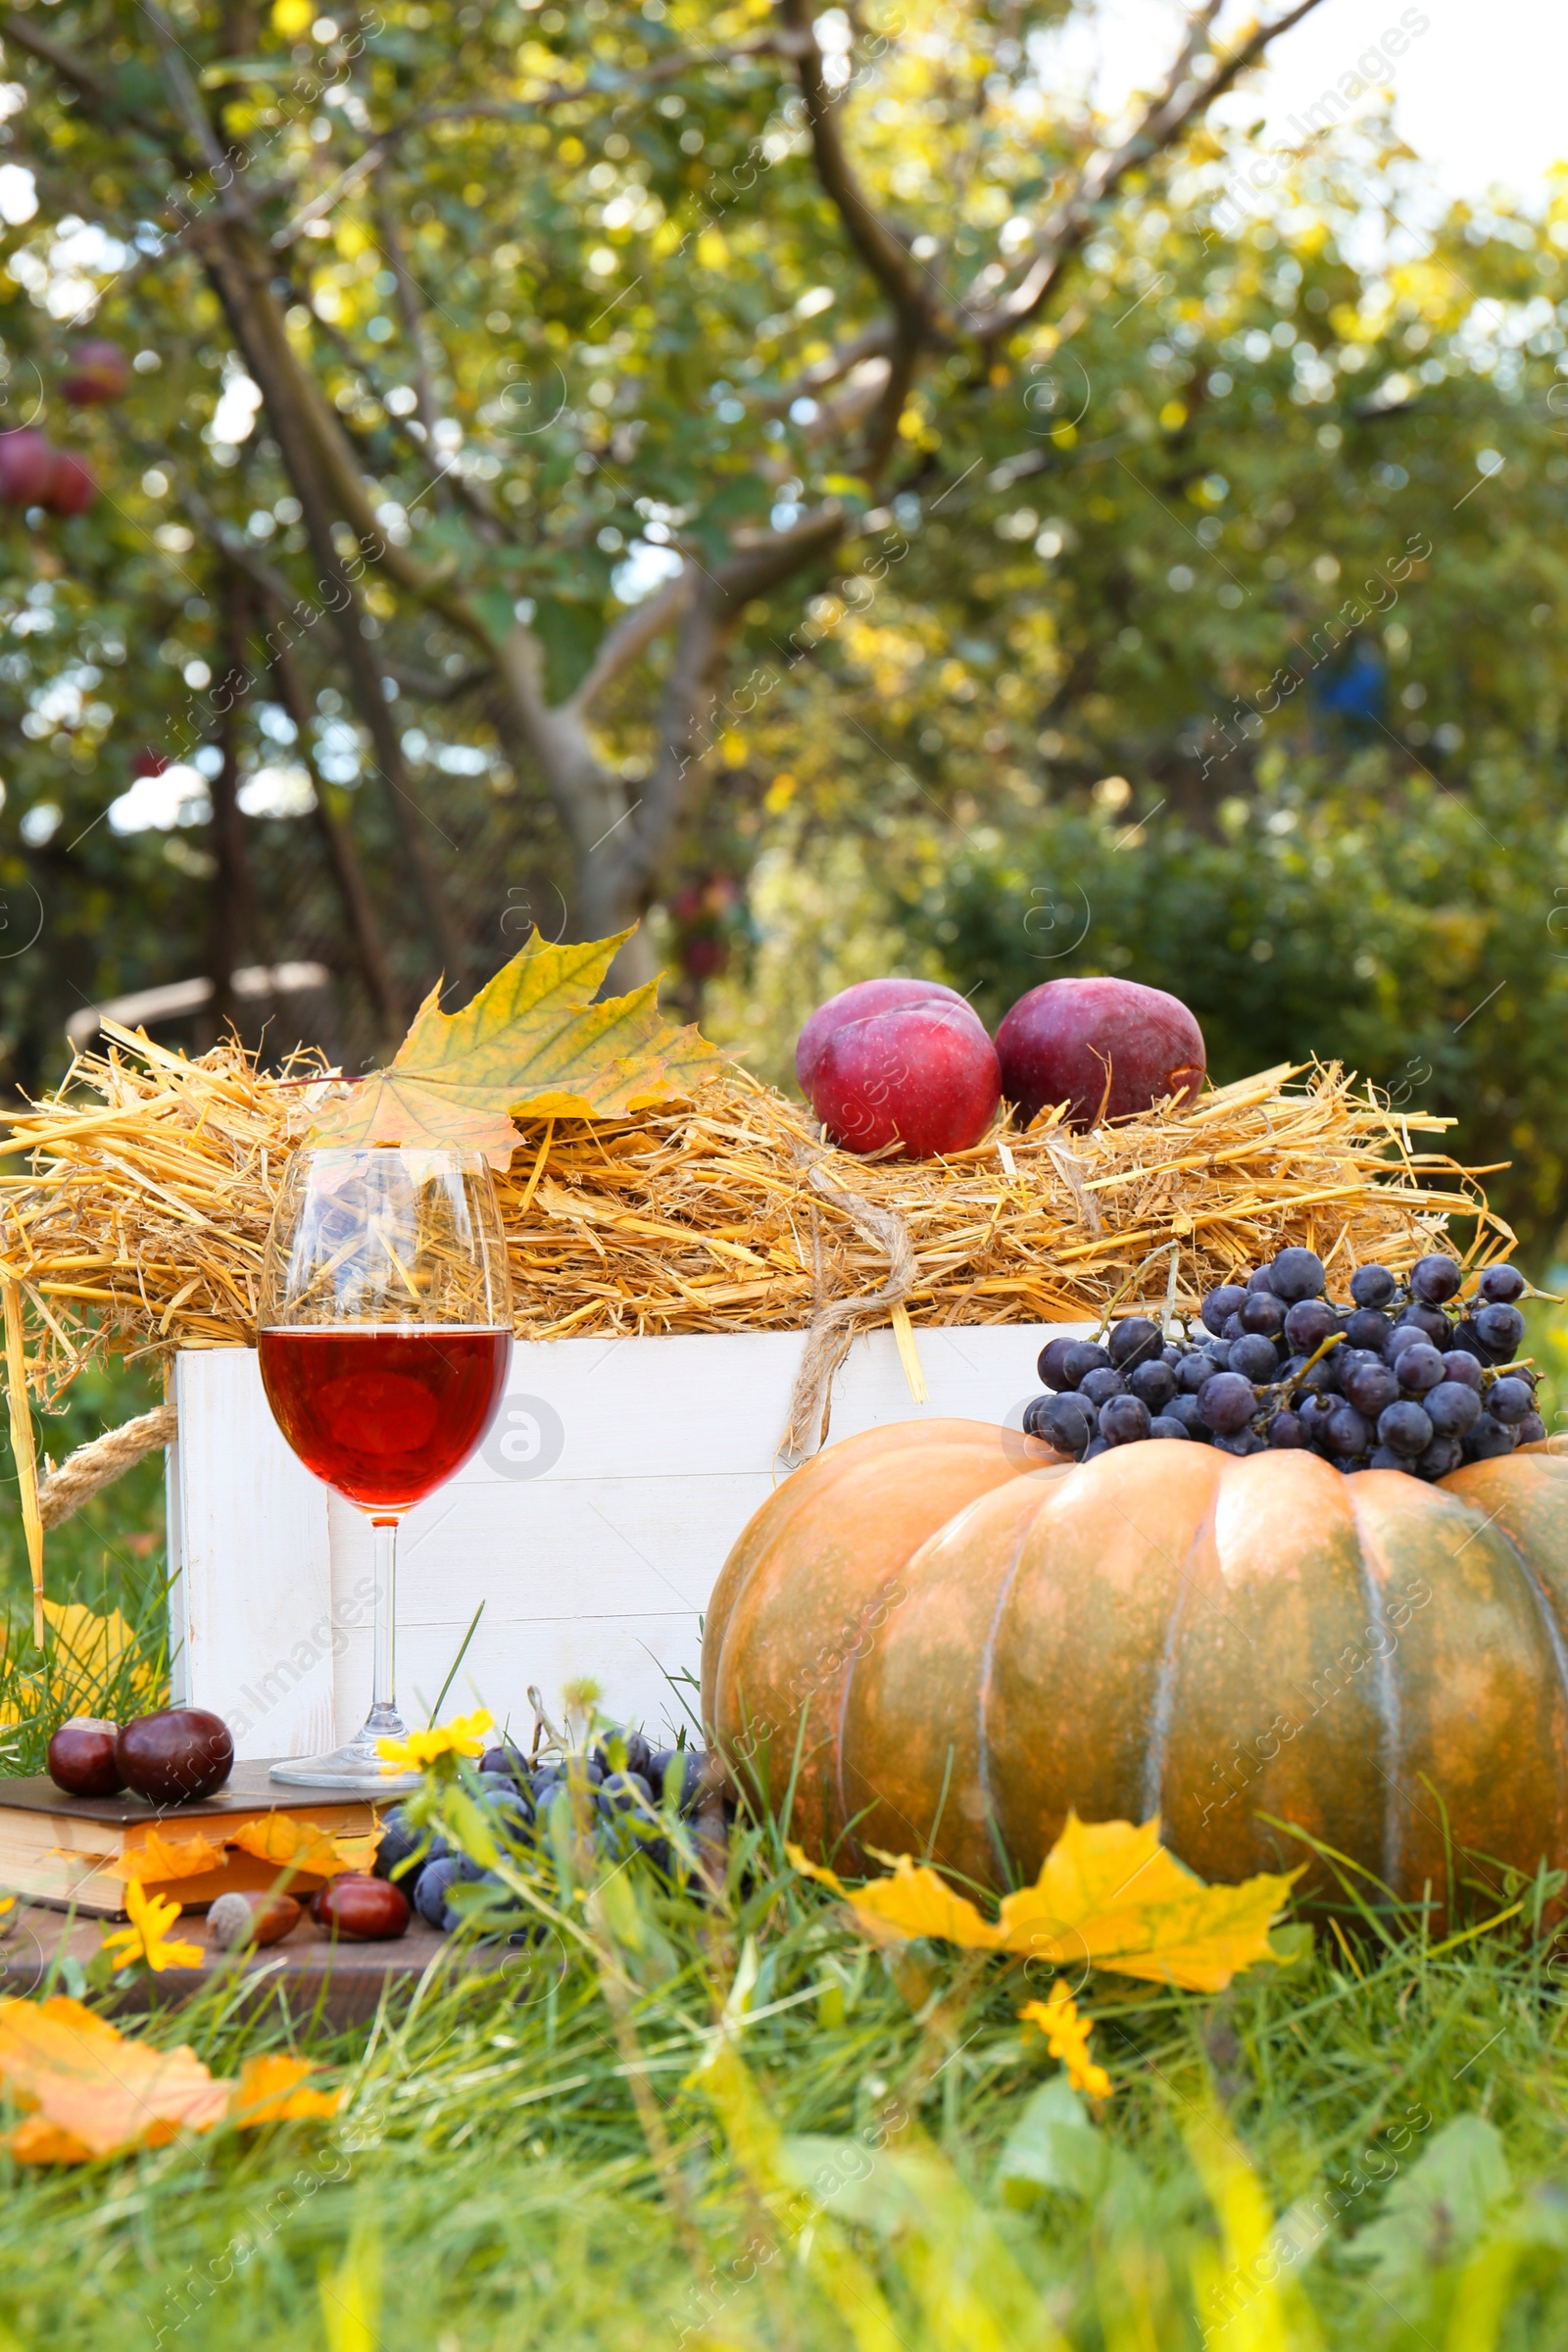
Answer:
[(1164, 1694), (1554, 1640), (988, 1659), (1385, 1681), (874, 1601)]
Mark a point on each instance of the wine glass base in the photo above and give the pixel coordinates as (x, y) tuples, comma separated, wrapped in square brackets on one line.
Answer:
[(345, 1769), (357, 1765)]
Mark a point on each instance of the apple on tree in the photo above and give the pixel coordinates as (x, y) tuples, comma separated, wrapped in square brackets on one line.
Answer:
[(900, 1062), (1107, 1048)]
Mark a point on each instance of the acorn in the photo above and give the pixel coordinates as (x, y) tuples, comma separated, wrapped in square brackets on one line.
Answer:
[(174, 1756), (81, 1757), (242, 1920)]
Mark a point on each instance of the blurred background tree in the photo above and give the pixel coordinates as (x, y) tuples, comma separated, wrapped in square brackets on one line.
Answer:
[(799, 478)]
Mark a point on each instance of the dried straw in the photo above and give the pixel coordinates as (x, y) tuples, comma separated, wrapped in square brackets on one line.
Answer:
[(139, 1222)]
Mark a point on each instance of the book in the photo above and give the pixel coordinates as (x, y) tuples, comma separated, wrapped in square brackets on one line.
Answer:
[(62, 1851)]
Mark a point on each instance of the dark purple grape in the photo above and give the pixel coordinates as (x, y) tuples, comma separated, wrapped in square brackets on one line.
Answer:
[(1219, 1304), (1226, 1402), (1133, 1342), (1372, 1285), (1367, 1328), (1435, 1279), (1531, 1430), (1286, 1429), (1347, 1432), (1154, 1383), (1219, 1350), (1296, 1274), (1384, 1457), (1369, 1385), (1467, 1337), (1430, 1321), (1052, 1357), (1314, 1415), (1194, 1370), (1460, 1364), (1501, 1329), (1081, 1357), (1171, 1354), (1324, 1379), (1259, 1280), (1235, 1328), (1418, 1366), (1308, 1323), (1440, 1456), (1405, 1428), (1486, 1439), (1034, 1413), (1451, 1408), (1185, 1410), (1501, 1286), (1246, 1440), (1263, 1312), (1254, 1357), (1101, 1384), (1124, 1419), (1064, 1424), (1095, 1447), (1509, 1398), (1164, 1426)]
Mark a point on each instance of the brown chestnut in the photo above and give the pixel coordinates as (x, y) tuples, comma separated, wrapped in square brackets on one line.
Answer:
[(242, 1918), (361, 1909), (180, 1754), (81, 1757)]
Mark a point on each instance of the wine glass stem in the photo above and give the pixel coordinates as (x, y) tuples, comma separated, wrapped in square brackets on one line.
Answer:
[(384, 1716)]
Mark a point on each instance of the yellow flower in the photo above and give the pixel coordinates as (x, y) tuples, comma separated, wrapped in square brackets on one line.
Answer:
[(463, 1738), (151, 1918), (1067, 2034)]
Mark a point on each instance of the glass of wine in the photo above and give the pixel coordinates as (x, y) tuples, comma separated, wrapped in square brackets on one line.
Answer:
[(384, 1333)]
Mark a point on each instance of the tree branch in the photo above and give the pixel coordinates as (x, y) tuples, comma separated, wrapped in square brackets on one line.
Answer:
[(1185, 96), (883, 252), (632, 636)]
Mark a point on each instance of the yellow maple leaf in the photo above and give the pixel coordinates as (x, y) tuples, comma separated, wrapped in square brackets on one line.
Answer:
[(91, 2090), (1108, 1894), (291, 1844), (1067, 2036), (914, 1901), (1113, 1895), (532, 1041), (271, 2090), (159, 1857)]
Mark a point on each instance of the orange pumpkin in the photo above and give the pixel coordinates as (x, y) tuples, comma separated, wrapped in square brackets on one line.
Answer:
[(949, 1639)]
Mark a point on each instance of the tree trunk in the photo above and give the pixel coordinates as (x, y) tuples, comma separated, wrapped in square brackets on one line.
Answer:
[(233, 935)]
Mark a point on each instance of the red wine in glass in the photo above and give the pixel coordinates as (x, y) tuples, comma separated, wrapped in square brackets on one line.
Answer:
[(384, 1414), (384, 1335)]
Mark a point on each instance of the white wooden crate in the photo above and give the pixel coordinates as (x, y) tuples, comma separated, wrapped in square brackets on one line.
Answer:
[(591, 1524)]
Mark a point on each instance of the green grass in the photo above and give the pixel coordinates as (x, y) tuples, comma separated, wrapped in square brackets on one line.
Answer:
[(876, 2159)]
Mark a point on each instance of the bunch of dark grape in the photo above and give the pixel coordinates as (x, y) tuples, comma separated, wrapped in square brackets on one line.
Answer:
[(1404, 1377), (629, 1789)]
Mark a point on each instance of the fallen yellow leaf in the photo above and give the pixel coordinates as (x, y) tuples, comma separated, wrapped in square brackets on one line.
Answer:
[(533, 1041), (81, 2077), (159, 1857), (270, 2090), (1108, 1894), (1066, 2036), (291, 1844)]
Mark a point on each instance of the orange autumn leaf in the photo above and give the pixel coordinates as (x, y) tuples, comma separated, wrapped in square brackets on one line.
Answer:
[(83, 2082), (290, 1844), (159, 1857), (271, 2090), (1108, 1895), (533, 1041)]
